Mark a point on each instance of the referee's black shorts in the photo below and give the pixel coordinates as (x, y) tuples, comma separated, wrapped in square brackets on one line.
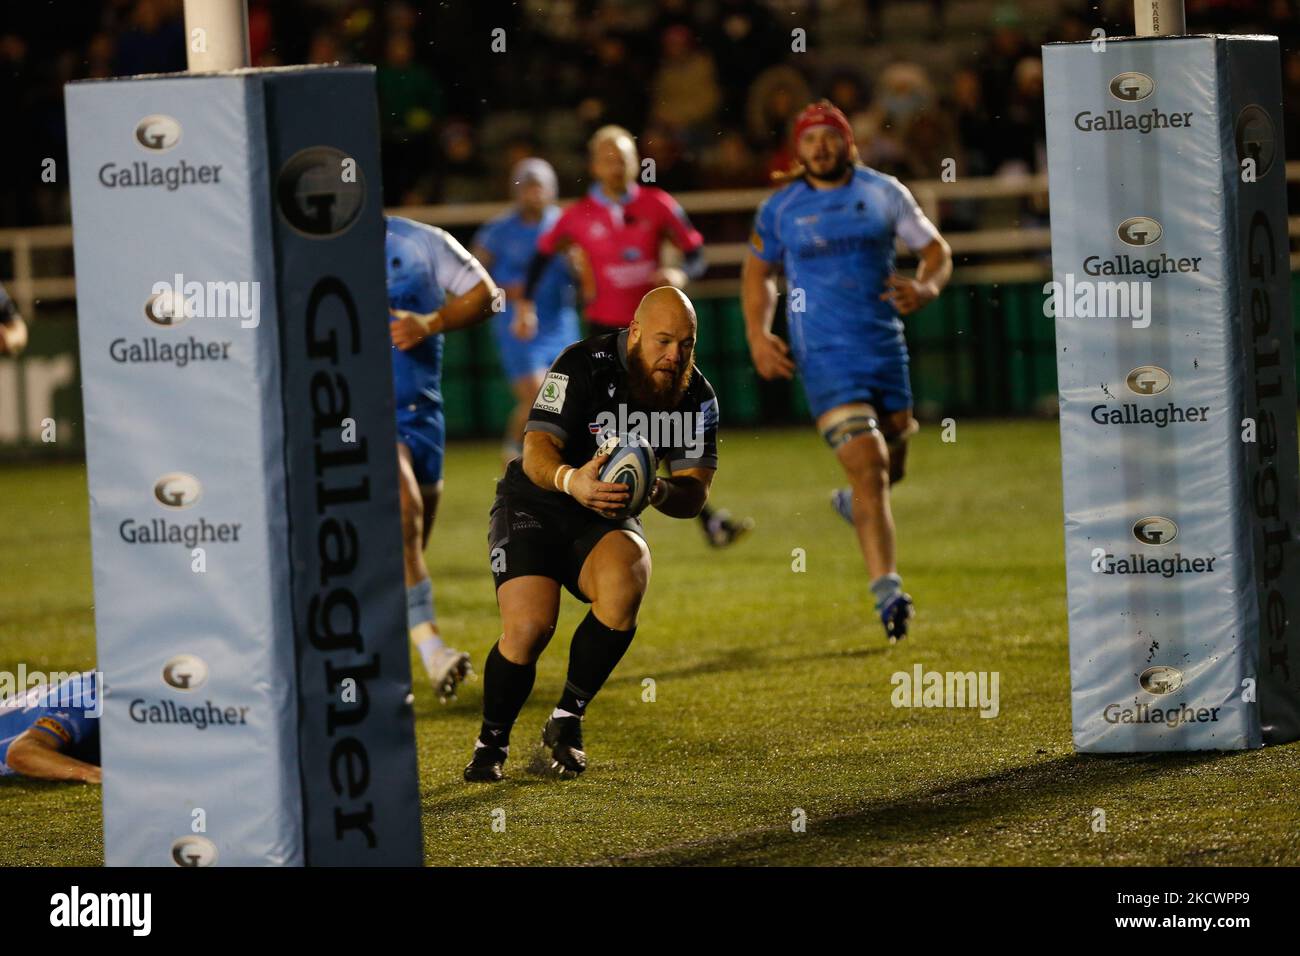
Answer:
[(528, 537)]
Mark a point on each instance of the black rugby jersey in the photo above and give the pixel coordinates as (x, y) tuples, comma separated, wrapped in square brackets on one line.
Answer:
[(584, 398)]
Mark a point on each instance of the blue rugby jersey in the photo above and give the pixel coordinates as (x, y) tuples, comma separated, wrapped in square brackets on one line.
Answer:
[(424, 264), (837, 246), (66, 713)]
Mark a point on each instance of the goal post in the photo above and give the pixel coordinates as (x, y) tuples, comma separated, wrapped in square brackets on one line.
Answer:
[(250, 610), (1178, 410)]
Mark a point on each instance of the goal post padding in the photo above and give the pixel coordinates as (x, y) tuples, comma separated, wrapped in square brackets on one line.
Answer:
[(1178, 429), (249, 603)]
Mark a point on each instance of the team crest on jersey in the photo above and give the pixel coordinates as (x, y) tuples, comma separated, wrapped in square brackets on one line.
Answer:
[(550, 398)]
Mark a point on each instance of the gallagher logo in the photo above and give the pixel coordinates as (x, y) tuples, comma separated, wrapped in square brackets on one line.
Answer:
[(185, 672), (166, 309), (158, 132), (176, 489), (194, 850), (1161, 679), (312, 195), (1131, 87), (1255, 138), (1155, 530), (1148, 380), (1140, 231)]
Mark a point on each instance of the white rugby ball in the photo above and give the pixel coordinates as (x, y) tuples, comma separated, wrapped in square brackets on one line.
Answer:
[(632, 463)]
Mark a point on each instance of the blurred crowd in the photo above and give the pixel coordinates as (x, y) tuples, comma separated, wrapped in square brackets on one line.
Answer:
[(466, 87)]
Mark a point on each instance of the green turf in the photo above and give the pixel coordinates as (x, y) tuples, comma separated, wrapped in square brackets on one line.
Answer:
[(772, 687)]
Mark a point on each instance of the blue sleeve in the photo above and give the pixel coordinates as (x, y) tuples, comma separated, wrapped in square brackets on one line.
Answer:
[(763, 240), (67, 727), (70, 711), (486, 237)]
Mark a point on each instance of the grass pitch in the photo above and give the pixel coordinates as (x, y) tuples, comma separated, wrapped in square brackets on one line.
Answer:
[(771, 687)]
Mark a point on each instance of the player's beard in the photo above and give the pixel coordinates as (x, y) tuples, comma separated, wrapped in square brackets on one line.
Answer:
[(834, 173), (652, 391)]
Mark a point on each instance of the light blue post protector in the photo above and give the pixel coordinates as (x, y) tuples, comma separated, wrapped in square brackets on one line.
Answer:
[(249, 607), (1177, 386)]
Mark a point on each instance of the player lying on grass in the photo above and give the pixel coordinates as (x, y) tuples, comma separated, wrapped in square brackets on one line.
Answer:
[(554, 522), (434, 286), (620, 227), (528, 342), (833, 229), (52, 732)]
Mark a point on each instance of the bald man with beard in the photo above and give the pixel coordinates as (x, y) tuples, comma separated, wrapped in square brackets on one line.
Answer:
[(554, 522)]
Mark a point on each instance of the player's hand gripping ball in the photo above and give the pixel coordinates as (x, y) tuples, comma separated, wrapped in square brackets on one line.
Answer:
[(631, 463)]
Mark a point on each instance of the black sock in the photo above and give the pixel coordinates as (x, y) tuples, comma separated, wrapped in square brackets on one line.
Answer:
[(506, 686), (593, 655), (705, 516)]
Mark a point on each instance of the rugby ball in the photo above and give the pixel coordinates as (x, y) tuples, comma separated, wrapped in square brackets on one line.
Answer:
[(632, 463)]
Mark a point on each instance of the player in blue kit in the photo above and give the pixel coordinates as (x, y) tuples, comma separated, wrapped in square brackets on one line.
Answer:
[(51, 732), (833, 228), (434, 286), (528, 340)]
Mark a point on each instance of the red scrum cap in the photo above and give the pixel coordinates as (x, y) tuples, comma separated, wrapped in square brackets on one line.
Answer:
[(823, 113)]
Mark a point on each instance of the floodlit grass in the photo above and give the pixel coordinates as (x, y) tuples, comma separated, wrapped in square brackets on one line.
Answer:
[(771, 688)]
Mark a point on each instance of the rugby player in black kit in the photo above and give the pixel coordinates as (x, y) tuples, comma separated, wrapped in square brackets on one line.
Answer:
[(554, 521)]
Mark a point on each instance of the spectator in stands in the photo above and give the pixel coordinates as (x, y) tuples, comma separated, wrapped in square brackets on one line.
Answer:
[(16, 88), (462, 179), (975, 129), (903, 93), (775, 98), (847, 92), (100, 55), (410, 104), (325, 47), (1285, 23), (616, 84), (685, 93), (929, 142), (1007, 47), (1220, 16), (743, 38), (673, 13), (154, 43), (731, 164), (1023, 129), (674, 166)]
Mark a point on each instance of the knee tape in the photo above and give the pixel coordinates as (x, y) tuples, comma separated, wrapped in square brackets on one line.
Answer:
[(848, 423)]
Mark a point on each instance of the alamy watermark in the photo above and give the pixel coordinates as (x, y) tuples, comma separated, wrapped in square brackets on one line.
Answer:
[(1093, 299), (682, 431), (70, 690), (960, 689), (176, 301)]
